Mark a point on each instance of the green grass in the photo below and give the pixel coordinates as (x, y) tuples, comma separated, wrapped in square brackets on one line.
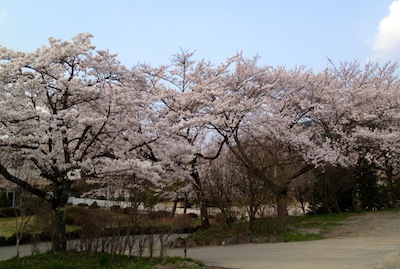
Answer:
[(85, 260), (295, 236), (324, 221), (8, 226), (288, 229), (391, 209)]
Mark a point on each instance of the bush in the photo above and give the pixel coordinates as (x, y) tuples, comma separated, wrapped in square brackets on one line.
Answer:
[(115, 208), (2, 241), (158, 214), (73, 213), (220, 218), (93, 222), (26, 238), (182, 222), (9, 212), (193, 215), (94, 206), (43, 220), (4, 201), (129, 211)]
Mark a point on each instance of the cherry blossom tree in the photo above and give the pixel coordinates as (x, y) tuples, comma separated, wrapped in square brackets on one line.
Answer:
[(72, 112), (372, 122), (221, 187), (186, 91), (265, 115), (355, 108)]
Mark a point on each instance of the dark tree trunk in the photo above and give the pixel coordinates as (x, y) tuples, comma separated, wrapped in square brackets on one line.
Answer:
[(174, 207), (205, 222), (59, 241), (281, 203), (252, 218), (186, 202), (389, 188), (389, 184), (251, 227), (59, 203)]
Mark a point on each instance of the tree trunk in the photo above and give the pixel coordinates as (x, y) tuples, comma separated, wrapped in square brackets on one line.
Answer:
[(205, 222), (390, 193), (389, 184), (59, 241), (252, 217), (303, 207), (17, 248), (281, 203), (185, 206), (251, 228), (174, 207)]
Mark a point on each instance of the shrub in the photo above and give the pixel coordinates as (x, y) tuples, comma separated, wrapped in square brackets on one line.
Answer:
[(9, 212), (93, 206), (129, 211), (193, 215), (115, 208), (43, 220), (4, 201), (182, 222), (2, 241), (12, 239), (220, 218), (158, 214), (73, 213)]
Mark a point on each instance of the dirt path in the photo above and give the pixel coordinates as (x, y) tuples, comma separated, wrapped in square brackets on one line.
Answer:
[(370, 225), (373, 227), (364, 241)]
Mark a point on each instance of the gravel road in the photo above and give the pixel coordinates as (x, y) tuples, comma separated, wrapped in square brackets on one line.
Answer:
[(365, 241)]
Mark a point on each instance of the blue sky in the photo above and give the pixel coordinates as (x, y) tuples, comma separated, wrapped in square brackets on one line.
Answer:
[(281, 32)]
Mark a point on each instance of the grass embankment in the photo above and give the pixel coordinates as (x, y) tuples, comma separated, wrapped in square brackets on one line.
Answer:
[(299, 228), (311, 227), (85, 260), (289, 229), (8, 226)]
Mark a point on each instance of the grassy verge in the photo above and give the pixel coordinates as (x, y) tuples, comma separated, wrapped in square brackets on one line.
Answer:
[(8, 226), (85, 260), (289, 229), (301, 228), (324, 222)]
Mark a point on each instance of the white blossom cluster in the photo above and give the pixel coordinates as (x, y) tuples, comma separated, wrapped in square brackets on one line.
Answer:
[(76, 113)]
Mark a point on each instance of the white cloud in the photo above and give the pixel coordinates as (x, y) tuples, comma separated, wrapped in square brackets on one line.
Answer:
[(387, 40)]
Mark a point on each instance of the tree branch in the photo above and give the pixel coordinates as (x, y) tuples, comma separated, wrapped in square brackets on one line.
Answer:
[(23, 184)]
